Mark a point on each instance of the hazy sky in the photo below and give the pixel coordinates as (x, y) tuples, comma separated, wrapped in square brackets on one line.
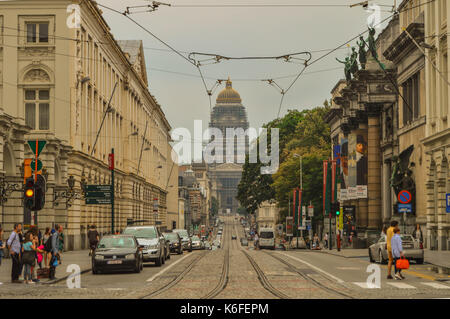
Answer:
[(236, 32)]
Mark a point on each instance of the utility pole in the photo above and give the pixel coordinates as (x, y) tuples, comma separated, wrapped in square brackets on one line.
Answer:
[(111, 167), (142, 148)]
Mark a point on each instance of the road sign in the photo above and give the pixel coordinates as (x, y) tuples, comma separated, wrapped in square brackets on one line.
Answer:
[(98, 188), (447, 197), (37, 149), (404, 208), (33, 165), (98, 201), (98, 194), (289, 226), (310, 211), (404, 197)]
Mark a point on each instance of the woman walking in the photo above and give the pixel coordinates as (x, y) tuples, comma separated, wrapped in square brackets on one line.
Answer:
[(397, 252), (44, 241)]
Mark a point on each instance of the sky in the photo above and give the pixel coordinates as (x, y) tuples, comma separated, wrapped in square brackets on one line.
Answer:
[(238, 32)]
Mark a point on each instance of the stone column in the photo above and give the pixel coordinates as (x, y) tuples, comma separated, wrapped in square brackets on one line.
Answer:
[(374, 167), (387, 204)]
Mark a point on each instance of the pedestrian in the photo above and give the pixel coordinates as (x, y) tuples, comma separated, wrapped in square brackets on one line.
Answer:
[(417, 233), (55, 245), (93, 237), (316, 243), (389, 235), (44, 241), (326, 240), (383, 231), (2, 245), (28, 256), (397, 252), (61, 241), (15, 248), (256, 243)]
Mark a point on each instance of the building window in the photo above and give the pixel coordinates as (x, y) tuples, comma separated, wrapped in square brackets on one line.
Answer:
[(411, 89), (37, 32), (37, 109)]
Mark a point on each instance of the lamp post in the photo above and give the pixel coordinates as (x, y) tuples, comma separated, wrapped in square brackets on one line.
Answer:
[(301, 189)]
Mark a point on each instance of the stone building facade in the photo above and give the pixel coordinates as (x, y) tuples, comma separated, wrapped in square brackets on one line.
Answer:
[(228, 113), (55, 84)]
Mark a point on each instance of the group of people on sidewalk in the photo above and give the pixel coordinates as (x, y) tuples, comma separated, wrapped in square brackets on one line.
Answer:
[(32, 248)]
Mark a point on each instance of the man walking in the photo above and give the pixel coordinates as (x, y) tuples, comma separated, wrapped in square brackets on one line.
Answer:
[(54, 251), (15, 248), (93, 237), (389, 235)]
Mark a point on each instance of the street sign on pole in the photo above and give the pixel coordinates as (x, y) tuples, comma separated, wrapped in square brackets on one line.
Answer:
[(37, 146), (98, 201), (289, 226), (405, 208), (447, 199), (404, 197)]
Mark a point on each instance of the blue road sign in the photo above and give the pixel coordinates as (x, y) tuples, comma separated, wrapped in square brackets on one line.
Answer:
[(404, 208), (447, 198), (404, 197)]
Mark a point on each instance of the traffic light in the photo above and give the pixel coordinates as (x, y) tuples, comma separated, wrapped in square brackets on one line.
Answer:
[(336, 208), (29, 193), (39, 189)]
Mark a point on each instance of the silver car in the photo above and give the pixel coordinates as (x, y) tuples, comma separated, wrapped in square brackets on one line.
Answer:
[(412, 249), (197, 243), (152, 242)]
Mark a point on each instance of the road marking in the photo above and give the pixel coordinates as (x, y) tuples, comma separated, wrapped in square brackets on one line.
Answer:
[(418, 274), (349, 268), (314, 267), (365, 285), (401, 285), (165, 269), (436, 285)]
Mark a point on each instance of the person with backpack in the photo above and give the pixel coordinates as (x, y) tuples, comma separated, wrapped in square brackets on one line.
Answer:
[(93, 237), (54, 240), (15, 248)]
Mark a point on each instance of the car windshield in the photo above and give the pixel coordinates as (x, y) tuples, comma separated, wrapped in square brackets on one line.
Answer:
[(182, 232), (195, 238), (406, 238), (266, 235), (116, 242), (171, 236), (141, 232)]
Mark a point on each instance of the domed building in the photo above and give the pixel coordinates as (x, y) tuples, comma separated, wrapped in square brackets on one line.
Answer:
[(225, 177)]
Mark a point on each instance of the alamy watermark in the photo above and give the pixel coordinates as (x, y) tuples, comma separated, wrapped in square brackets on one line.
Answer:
[(74, 279), (74, 19), (233, 143), (374, 19)]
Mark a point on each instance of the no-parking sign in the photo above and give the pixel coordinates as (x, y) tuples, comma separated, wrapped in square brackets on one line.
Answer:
[(404, 197)]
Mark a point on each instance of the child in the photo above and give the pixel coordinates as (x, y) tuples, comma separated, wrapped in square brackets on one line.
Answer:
[(29, 247)]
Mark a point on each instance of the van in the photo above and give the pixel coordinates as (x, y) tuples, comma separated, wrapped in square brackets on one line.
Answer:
[(267, 238)]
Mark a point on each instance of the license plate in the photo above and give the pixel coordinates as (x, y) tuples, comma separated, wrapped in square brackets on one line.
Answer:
[(114, 262)]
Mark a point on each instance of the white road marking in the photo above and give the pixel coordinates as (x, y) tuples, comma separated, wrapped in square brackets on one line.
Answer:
[(401, 285), (165, 269), (436, 285), (365, 285), (314, 267)]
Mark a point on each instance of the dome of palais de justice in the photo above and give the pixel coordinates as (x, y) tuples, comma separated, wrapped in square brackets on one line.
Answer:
[(228, 95)]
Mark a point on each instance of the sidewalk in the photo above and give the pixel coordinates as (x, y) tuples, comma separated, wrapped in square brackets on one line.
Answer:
[(79, 257), (434, 257)]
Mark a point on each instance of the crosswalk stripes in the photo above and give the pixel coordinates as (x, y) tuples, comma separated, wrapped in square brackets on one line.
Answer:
[(436, 285), (402, 285)]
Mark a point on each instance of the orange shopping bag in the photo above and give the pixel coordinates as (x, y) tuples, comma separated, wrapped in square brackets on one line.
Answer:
[(402, 263)]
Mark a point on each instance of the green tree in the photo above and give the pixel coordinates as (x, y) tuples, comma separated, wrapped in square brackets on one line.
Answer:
[(214, 205)]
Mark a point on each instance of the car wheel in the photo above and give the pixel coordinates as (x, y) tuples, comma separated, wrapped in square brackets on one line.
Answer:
[(163, 258), (370, 256), (419, 261)]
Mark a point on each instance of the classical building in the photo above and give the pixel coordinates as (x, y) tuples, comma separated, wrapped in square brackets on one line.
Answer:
[(57, 79), (203, 178), (401, 104), (437, 130), (194, 196), (229, 113)]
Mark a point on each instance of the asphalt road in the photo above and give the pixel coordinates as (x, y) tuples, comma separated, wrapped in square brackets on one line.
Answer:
[(235, 272)]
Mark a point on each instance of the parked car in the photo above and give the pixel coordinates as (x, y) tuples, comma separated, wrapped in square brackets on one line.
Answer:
[(413, 250), (197, 243), (151, 240), (175, 244), (185, 238), (244, 242), (216, 243), (208, 245), (117, 253)]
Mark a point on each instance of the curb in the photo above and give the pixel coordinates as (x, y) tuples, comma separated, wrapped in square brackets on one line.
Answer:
[(50, 282)]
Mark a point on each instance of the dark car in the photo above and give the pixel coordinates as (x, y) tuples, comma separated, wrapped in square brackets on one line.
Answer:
[(233, 237), (152, 241), (175, 244), (185, 238), (117, 253)]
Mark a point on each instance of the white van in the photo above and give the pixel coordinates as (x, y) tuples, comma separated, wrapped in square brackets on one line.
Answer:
[(267, 238)]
